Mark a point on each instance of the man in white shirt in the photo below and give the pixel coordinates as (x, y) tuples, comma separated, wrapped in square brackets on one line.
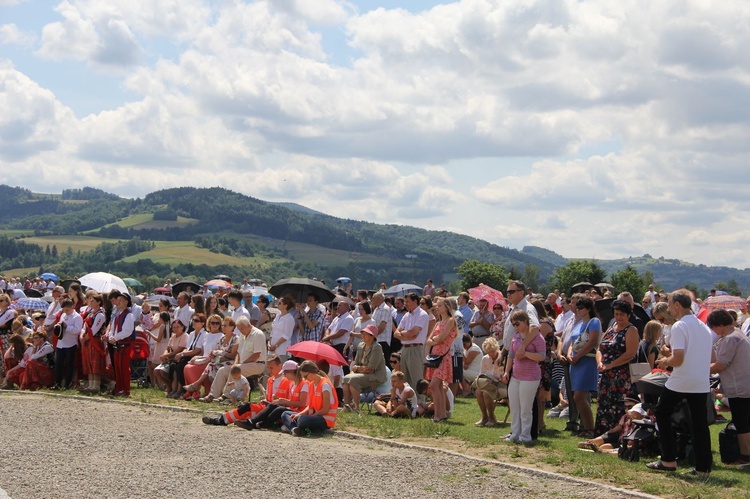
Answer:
[(338, 332), (183, 312), (412, 333), (480, 322), (382, 317), (53, 309), (691, 360), (234, 298), (251, 357)]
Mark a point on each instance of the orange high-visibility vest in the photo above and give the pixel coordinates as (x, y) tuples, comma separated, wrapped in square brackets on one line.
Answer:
[(297, 391), (282, 392), (316, 401)]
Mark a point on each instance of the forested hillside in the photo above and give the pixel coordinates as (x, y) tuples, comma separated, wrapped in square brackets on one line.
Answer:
[(269, 240)]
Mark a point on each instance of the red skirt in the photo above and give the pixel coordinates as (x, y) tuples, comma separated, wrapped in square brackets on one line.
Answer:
[(37, 375), (14, 377), (9, 364), (92, 361)]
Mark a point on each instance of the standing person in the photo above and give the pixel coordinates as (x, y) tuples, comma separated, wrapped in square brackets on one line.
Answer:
[(93, 350), (428, 289), (67, 331), (183, 312), (527, 373), (480, 322), (381, 316), (161, 342), (733, 365), (7, 315), (412, 333), (581, 356), (364, 319), (691, 360), (283, 327), (617, 348), (312, 319), (337, 333), (122, 336), (440, 342)]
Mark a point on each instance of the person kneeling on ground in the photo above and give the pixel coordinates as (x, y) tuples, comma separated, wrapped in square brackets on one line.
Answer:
[(320, 413), (403, 401)]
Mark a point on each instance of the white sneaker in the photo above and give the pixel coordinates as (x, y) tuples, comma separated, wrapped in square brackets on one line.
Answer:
[(554, 412), (564, 413)]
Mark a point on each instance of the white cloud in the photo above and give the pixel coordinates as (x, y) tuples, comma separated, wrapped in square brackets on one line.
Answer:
[(11, 35)]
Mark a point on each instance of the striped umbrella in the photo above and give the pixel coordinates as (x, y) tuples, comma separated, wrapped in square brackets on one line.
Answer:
[(724, 301), (31, 304)]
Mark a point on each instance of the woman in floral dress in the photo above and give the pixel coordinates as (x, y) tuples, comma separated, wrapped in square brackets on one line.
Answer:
[(440, 342), (617, 348)]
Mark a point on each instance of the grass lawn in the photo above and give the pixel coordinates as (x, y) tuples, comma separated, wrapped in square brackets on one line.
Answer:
[(76, 243), (304, 252), (556, 450), (177, 252)]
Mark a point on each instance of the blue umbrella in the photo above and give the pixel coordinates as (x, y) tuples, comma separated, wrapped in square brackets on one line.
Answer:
[(31, 304), (50, 275)]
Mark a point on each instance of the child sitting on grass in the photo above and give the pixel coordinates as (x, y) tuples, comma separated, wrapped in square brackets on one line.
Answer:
[(403, 400), (426, 405), (238, 386)]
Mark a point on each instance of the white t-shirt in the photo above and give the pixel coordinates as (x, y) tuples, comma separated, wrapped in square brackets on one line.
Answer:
[(283, 327), (346, 322), (334, 371), (694, 337)]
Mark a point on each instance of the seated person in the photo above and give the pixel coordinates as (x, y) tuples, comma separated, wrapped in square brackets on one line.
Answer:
[(320, 413), (221, 353), (14, 354), (612, 439), (382, 392), (277, 383), (367, 370), (237, 386), (472, 364), (403, 400), (34, 371), (291, 396), (427, 406), (487, 385)]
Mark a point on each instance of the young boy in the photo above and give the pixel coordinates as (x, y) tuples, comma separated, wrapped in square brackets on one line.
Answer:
[(428, 408), (403, 400), (240, 388)]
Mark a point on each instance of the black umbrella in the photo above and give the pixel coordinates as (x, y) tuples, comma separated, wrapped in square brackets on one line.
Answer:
[(581, 286), (183, 286), (604, 311), (32, 293), (67, 282), (223, 277), (300, 287)]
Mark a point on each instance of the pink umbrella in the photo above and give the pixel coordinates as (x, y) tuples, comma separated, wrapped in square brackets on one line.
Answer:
[(314, 350), (484, 292), (218, 283)]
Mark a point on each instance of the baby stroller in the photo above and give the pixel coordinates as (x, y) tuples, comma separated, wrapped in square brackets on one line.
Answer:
[(650, 388), (642, 440), (139, 362)]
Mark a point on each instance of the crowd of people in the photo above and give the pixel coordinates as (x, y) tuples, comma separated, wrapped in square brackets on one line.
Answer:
[(408, 356)]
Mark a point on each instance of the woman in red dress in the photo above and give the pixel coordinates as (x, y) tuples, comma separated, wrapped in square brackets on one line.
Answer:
[(34, 371), (440, 343)]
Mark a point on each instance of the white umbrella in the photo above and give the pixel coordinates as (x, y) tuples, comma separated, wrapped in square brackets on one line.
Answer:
[(103, 282)]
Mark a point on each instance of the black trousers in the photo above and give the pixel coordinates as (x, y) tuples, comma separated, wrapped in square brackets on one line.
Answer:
[(697, 406), (386, 352), (65, 365)]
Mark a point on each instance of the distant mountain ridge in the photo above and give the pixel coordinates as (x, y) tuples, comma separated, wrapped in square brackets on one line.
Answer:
[(431, 254)]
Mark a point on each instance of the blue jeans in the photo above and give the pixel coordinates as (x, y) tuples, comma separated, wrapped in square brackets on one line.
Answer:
[(312, 423)]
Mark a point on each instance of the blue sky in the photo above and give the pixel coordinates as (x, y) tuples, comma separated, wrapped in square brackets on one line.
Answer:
[(595, 129)]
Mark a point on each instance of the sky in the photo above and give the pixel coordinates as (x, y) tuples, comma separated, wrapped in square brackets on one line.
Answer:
[(597, 129)]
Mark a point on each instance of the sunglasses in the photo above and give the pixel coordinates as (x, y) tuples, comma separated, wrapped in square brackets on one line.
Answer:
[(216, 323), (580, 306), (393, 362), (515, 324), (511, 291)]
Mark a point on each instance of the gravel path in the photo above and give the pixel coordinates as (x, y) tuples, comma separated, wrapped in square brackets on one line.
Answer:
[(62, 447)]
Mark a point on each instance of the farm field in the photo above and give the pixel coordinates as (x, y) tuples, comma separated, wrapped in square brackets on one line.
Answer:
[(76, 243), (146, 221), (177, 252), (317, 254)]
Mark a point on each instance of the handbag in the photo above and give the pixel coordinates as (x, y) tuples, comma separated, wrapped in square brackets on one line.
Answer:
[(582, 339), (433, 360), (638, 370)]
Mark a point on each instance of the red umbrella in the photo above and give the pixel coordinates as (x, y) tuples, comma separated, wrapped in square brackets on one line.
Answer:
[(724, 301), (314, 350), (484, 292)]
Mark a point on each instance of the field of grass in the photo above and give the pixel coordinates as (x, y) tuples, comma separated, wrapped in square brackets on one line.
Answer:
[(146, 221), (177, 252), (16, 232), (556, 450), (303, 252), (76, 243)]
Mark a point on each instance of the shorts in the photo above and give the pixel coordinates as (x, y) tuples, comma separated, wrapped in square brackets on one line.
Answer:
[(458, 368), (412, 410)]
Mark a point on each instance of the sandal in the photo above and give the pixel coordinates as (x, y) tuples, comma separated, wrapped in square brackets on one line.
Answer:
[(659, 466), (588, 446), (587, 434), (207, 398)]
